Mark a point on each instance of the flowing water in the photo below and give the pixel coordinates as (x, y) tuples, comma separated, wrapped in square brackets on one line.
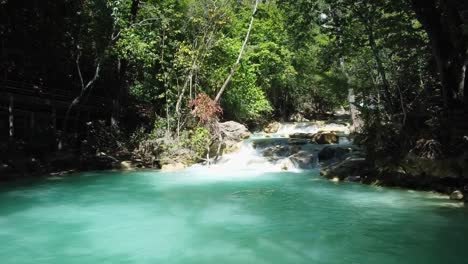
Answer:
[(244, 210)]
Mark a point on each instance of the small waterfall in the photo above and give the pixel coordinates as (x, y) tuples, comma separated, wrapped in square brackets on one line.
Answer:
[(276, 152), (299, 127), (288, 128), (250, 159)]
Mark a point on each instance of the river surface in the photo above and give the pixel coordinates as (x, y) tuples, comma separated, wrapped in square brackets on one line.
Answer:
[(200, 216)]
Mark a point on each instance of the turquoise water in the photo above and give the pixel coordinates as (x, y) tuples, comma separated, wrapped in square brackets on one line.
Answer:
[(196, 217)]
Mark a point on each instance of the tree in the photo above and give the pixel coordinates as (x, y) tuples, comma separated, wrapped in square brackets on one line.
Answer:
[(241, 52), (446, 24)]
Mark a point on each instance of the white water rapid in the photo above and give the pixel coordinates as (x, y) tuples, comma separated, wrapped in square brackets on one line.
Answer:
[(276, 152)]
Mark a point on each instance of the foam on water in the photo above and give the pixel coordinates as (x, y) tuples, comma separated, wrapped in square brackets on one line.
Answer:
[(247, 160), (300, 127), (310, 128)]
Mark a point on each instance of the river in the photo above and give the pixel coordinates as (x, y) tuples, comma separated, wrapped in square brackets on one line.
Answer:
[(229, 213)]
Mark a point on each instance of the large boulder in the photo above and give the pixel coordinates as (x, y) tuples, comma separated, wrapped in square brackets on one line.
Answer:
[(286, 164), (232, 134), (303, 159), (333, 153), (272, 128), (351, 168), (326, 138), (280, 151), (178, 155), (233, 131)]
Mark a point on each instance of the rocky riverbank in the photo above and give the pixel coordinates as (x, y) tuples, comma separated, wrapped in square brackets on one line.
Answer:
[(447, 176), (104, 150), (352, 163), (300, 145)]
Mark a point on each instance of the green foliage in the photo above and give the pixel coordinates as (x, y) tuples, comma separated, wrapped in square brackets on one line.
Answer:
[(197, 140), (245, 100), (159, 128)]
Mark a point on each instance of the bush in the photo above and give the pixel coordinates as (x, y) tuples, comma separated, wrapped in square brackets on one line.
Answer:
[(197, 140)]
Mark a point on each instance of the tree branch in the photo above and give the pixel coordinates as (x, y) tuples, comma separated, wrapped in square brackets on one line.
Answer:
[(241, 52)]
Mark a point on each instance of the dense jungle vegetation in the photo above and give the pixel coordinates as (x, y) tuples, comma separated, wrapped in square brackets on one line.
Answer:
[(172, 68)]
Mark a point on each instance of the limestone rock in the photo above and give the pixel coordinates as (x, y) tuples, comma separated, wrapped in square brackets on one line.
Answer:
[(126, 165), (233, 131), (279, 151), (173, 167), (350, 168), (457, 196), (272, 128), (326, 138), (286, 165), (303, 159)]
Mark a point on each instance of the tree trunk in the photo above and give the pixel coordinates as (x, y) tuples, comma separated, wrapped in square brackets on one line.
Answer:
[(444, 25), (380, 67), (241, 52), (122, 75), (77, 100)]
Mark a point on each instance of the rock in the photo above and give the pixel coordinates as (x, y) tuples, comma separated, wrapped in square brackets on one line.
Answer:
[(272, 128), (178, 155), (232, 148), (348, 168), (342, 128), (275, 151), (298, 141), (173, 167), (269, 142), (280, 151), (286, 164), (303, 160), (353, 178), (150, 150), (126, 165), (61, 173), (233, 131), (302, 136), (333, 152), (335, 179), (325, 138), (456, 196), (298, 117), (319, 138), (438, 168)]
